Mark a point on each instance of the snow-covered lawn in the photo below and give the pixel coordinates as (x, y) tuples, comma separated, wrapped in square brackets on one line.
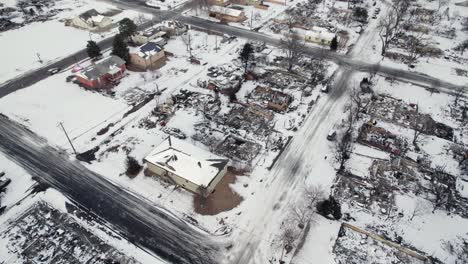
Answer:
[(21, 182), (51, 40)]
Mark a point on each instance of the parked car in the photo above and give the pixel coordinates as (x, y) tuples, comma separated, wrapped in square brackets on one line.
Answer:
[(53, 71), (331, 135), (174, 132), (325, 89)]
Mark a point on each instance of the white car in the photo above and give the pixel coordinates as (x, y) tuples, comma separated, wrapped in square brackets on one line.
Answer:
[(53, 71), (325, 89)]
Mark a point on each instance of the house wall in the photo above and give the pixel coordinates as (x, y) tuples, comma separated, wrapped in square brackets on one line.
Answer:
[(140, 40), (217, 179), (79, 23), (186, 184), (228, 18), (88, 83), (105, 22), (317, 40), (154, 62)]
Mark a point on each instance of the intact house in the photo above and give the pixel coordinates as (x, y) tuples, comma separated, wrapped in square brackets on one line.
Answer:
[(102, 74), (91, 20), (227, 14), (153, 34), (148, 57), (319, 35), (186, 165)]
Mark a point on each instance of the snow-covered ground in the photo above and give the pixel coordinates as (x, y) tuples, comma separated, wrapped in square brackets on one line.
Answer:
[(20, 186), (51, 40), (58, 202)]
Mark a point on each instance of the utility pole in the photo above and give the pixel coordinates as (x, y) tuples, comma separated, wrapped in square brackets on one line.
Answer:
[(69, 141), (251, 20), (39, 57)]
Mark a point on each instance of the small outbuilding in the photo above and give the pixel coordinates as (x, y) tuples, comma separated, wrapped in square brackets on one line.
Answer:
[(186, 165)]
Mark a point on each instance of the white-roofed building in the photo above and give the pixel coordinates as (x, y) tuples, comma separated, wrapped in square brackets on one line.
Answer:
[(319, 35), (193, 168), (227, 14), (91, 20)]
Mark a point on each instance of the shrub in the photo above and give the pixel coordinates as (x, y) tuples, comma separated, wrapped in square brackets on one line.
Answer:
[(133, 167)]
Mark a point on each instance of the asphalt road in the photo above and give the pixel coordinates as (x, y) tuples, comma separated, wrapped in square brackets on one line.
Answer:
[(343, 60), (142, 223)]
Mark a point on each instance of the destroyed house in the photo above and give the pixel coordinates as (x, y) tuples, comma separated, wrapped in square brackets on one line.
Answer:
[(272, 99)]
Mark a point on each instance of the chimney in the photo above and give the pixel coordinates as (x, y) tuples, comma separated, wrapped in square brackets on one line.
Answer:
[(199, 164), (170, 143)]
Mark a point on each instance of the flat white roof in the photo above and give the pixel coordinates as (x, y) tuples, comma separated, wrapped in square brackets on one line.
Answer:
[(226, 11), (320, 33), (187, 161)]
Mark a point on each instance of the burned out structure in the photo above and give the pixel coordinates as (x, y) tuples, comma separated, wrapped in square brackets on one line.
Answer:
[(238, 149), (252, 118), (407, 115), (380, 138), (271, 99), (42, 234)]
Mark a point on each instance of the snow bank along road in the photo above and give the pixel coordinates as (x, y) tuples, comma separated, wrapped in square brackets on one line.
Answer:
[(341, 59), (142, 223)]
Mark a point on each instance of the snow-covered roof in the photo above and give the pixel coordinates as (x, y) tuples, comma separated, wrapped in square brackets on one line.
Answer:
[(187, 161), (149, 49), (226, 11), (320, 33), (110, 65)]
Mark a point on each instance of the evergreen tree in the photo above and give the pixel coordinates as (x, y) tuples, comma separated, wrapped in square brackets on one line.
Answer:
[(93, 50), (120, 48), (334, 43), (127, 27), (246, 54)]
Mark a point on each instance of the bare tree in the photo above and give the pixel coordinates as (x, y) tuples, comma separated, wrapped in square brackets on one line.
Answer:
[(187, 39), (418, 210), (343, 147), (301, 213), (313, 194), (390, 26), (459, 92), (415, 46), (287, 237), (199, 5), (416, 139), (462, 46), (360, 102), (292, 46)]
